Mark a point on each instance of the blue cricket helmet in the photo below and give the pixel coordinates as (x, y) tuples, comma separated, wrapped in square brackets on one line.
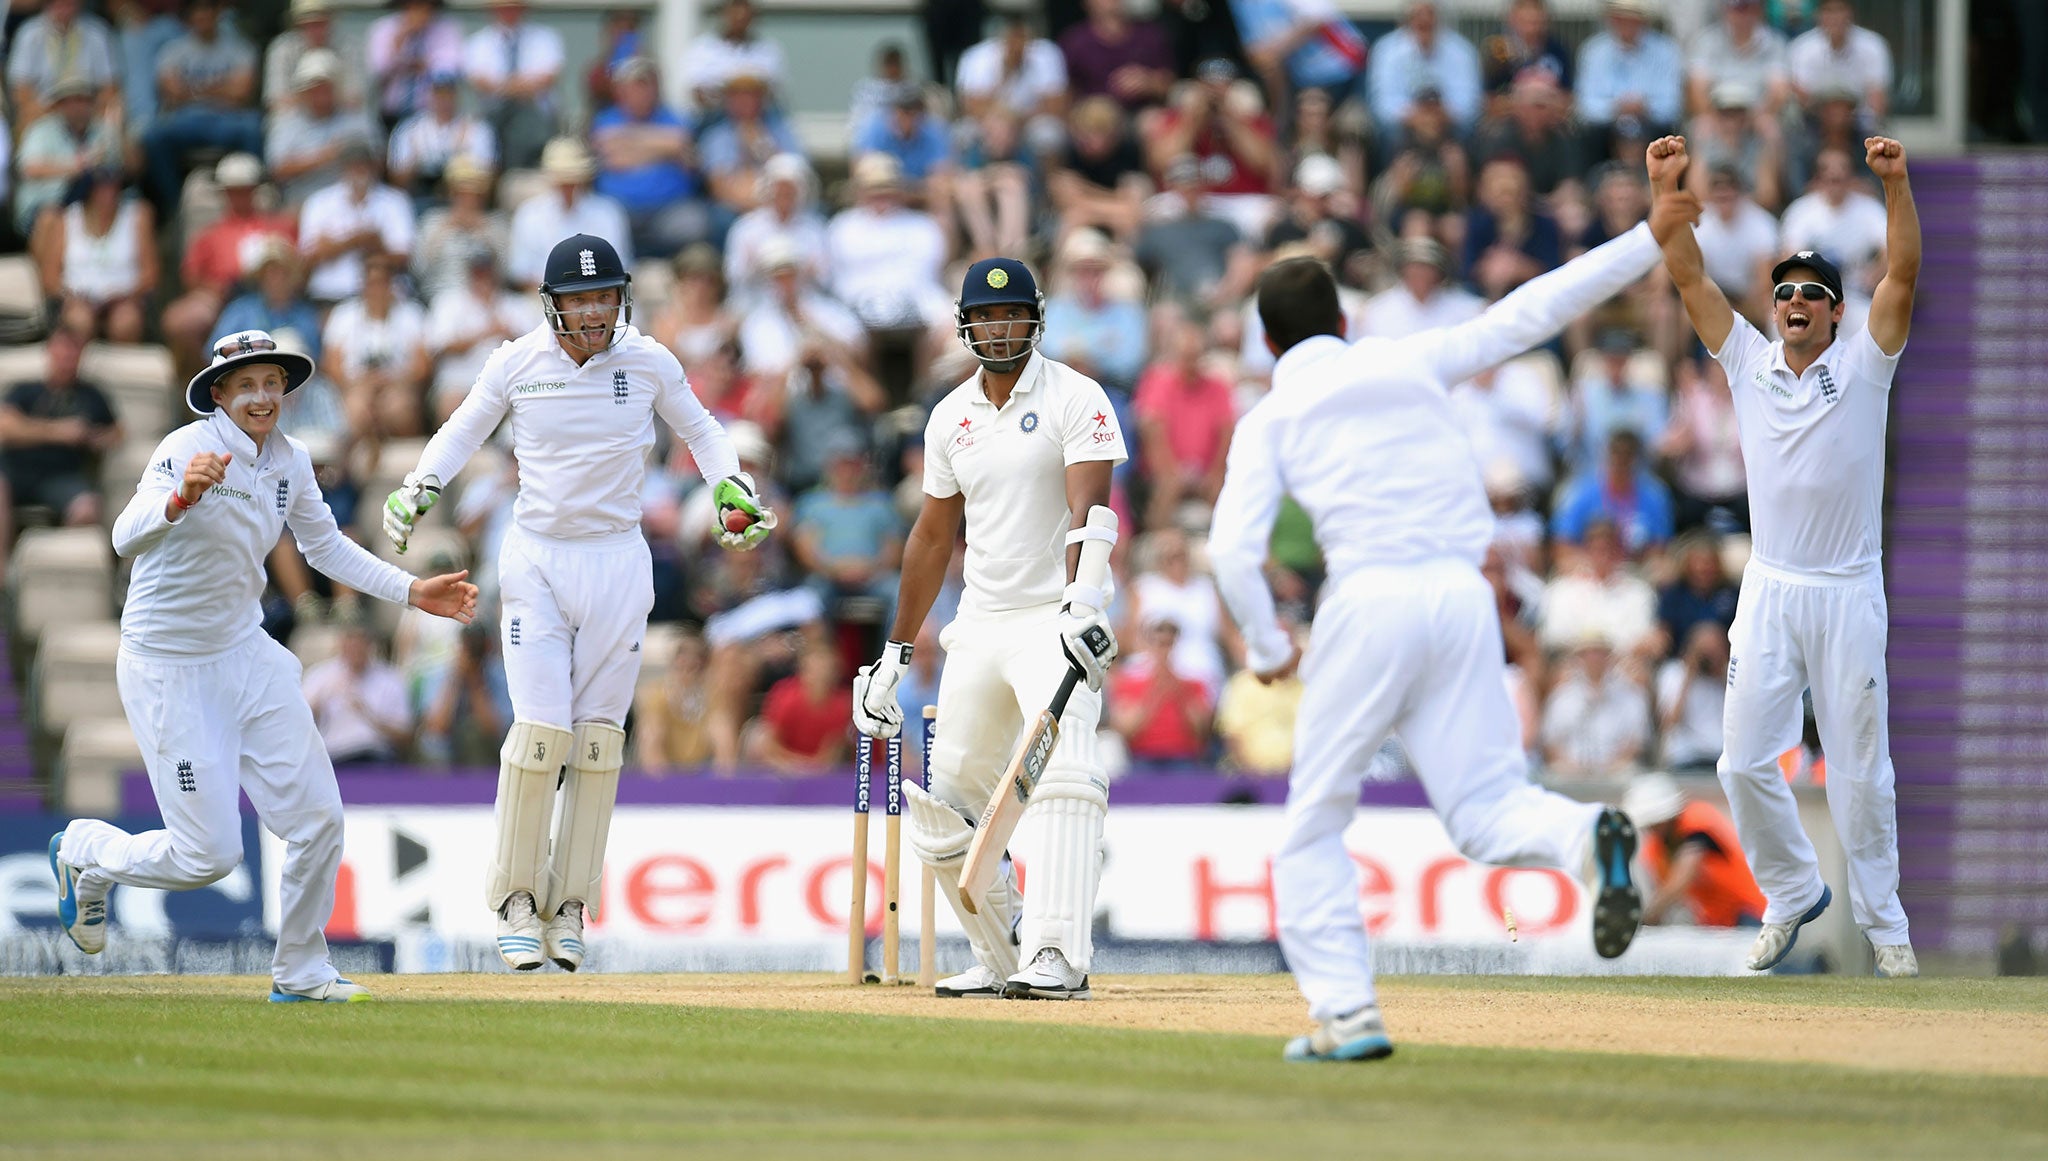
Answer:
[(999, 282), (583, 262)]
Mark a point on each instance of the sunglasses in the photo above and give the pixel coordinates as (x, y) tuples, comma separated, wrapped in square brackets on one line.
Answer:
[(1810, 291), (243, 344)]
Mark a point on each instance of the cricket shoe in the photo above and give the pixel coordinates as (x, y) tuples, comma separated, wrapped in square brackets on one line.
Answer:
[(564, 936), (1775, 941), (1895, 961), (519, 933), (976, 983), (1360, 1035), (1047, 977), (334, 991), (1617, 904), (84, 917)]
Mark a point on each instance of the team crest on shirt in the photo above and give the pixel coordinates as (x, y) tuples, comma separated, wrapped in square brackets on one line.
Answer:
[(284, 495), (1828, 390), (618, 386), (1029, 423), (187, 784)]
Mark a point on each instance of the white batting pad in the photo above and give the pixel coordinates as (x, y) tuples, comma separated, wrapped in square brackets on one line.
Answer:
[(585, 820), (1066, 869), (532, 755), (939, 837)]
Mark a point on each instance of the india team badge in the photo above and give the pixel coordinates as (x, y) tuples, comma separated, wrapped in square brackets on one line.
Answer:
[(998, 278), (1029, 423)]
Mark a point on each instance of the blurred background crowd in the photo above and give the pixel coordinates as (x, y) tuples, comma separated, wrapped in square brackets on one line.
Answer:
[(383, 202)]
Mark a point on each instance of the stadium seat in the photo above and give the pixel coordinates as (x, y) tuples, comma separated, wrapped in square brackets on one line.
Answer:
[(312, 644), (21, 362), (95, 754), (22, 316), (517, 185), (60, 576), (73, 678)]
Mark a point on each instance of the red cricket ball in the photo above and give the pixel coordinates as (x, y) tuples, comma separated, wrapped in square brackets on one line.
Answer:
[(737, 521)]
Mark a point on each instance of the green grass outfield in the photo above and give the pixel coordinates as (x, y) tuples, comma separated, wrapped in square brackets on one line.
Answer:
[(97, 1068)]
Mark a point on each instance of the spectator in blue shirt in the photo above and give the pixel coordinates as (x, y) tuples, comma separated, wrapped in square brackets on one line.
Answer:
[(276, 303), (1507, 240), (910, 134), (1420, 56), (1631, 78), (848, 536), (643, 154), (731, 153), (1100, 336), (1306, 45), (1701, 595), (1622, 491)]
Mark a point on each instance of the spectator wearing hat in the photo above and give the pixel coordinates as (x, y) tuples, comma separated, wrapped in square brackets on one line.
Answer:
[(449, 234), (1019, 74), (343, 223), (1322, 213), (307, 137), (1419, 56), (1739, 240), (732, 152), (312, 27), (97, 258), (274, 302), (1296, 45), (696, 321), (917, 142), (1525, 49), (1234, 144), (569, 206), (643, 150), (1168, 586), (1732, 136), (1596, 722), (869, 101), (791, 313), (513, 64), (827, 396), (424, 143), (847, 533), (1631, 79), (1741, 49), (1189, 251), (406, 46), (1428, 184), (1596, 593), (1423, 298), (359, 703), (376, 357), (1099, 180), (1163, 713), (206, 98), (1839, 219), (68, 139), (1613, 390), (217, 259), (52, 432), (1534, 129), (466, 325), (1099, 334), (787, 209), (1622, 490), (734, 49), (62, 43), (887, 259), (1111, 55), (1186, 414), (1838, 56), (1694, 856)]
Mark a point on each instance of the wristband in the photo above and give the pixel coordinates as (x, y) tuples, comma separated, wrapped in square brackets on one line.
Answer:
[(178, 498)]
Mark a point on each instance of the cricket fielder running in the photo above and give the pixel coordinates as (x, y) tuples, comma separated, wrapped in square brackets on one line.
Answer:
[(1023, 450), (1407, 639), (214, 702), (1810, 410), (583, 389)]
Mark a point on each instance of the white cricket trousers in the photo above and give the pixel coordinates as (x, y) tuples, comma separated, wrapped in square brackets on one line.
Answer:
[(208, 727), (1792, 632), (574, 614), (1413, 650), (1002, 670)]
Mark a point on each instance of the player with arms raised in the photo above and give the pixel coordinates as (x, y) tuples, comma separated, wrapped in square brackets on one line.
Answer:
[(1407, 638), (583, 390), (1810, 410), (1022, 451), (214, 702)]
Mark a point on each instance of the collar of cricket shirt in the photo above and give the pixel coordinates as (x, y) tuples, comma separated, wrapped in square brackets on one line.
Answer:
[(237, 442), (1306, 353), (1034, 370)]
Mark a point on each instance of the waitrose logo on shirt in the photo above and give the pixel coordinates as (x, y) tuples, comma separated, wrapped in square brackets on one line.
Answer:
[(231, 493), (540, 388)]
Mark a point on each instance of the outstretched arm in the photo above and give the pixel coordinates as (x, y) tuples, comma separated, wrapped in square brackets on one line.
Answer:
[(1240, 530), (1891, 304), (1672, 215)]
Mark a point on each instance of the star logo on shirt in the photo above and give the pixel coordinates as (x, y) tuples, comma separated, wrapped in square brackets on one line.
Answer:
[(965, 424), (1101, 419)]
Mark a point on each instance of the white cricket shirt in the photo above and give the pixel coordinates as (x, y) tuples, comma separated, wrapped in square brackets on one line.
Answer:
[(581, 433), (196, 581), (1813, 445), (1365, 438), (1011, 465)]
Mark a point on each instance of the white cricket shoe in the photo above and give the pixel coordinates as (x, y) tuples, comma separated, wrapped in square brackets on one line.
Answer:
[(1895, 961), (83, 914), (334, 991), (1775, 941), (976, 983), (519, 933), (1047, 977), (1359, 1035), (564, 936)]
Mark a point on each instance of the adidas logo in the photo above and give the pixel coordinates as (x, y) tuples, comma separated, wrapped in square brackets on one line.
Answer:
[(166, 468), (1870, 685), (635, 648)]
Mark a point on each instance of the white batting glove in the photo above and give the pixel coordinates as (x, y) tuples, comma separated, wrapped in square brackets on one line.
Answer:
[(1089, 643), (403, 508), (876, 713)]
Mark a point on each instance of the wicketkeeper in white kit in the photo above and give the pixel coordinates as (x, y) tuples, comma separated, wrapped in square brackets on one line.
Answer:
[(1023, 451), (214, 702), (1407, 638), (1810, 409), (583, 390)]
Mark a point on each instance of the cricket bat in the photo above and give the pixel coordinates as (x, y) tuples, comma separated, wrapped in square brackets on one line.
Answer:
[(1006, 807)]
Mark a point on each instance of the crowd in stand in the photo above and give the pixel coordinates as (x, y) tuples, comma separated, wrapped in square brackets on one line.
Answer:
[(384, 204)]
